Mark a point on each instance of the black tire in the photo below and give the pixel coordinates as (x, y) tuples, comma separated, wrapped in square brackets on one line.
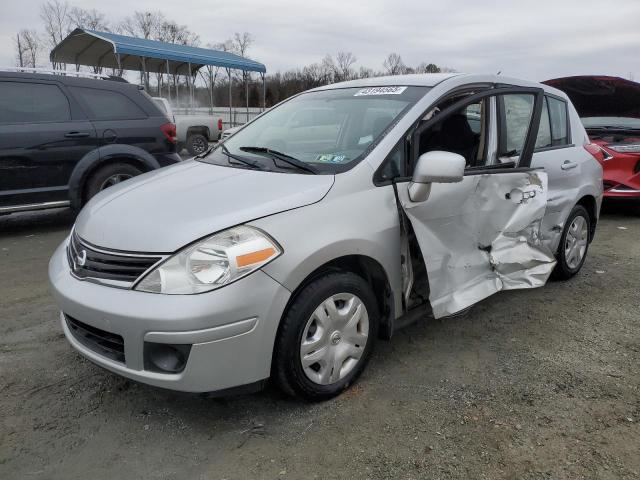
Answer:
[(287, 369), (197, 144), (99, 180), (564, 269)]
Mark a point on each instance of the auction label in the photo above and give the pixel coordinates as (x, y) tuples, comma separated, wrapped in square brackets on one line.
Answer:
[(380, 91)]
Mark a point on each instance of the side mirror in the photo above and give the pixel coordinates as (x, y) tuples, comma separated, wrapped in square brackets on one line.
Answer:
[(435, 167)]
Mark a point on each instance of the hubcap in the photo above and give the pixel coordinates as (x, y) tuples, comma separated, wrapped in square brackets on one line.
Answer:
[(334, 338), (199, 145), (575, 244), (114, 179)]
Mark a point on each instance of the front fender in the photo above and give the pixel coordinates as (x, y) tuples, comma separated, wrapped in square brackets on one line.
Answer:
[(101, 156)]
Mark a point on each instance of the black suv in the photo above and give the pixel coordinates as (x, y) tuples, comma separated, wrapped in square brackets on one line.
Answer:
[(65, 138)]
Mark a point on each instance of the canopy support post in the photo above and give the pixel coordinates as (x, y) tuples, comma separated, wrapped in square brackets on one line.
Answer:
[(264, 91), (145, 76), (210, 69), (190, 80), (231, 122), (246, 92), (168, 83)]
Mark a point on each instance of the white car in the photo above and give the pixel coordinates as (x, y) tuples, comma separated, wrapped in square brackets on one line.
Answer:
[(336, 217)]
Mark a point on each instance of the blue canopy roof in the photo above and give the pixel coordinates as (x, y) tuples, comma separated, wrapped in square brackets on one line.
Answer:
[(106, 49)]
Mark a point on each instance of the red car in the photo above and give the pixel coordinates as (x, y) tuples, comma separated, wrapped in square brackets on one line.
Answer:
[(610, 111)]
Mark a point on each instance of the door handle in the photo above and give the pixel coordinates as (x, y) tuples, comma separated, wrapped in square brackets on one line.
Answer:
[(568, 165), (76, 135)]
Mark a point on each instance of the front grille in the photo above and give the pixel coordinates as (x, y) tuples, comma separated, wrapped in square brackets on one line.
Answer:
[(104, 343), (111, 267)]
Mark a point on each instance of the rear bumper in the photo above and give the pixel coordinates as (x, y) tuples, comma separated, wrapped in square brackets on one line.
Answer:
[(230, 331)]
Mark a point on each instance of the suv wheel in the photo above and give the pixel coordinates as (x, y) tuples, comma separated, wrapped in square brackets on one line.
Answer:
[(326, 336), (108, 176), (197, 144), (574, 244)]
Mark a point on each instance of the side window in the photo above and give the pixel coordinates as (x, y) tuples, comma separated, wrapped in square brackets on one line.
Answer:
[(515, 112), (558, 115), (22, 102), (544, 132), (108, 105), (463, 132)]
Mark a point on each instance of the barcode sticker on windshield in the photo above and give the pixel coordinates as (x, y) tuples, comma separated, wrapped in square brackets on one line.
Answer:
[(380, 91)]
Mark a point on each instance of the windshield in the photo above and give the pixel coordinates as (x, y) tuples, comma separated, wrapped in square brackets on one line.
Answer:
[(611, 122), (326, 131)]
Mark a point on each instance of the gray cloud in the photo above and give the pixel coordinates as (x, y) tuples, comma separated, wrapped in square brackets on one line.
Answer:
[(534, 40)]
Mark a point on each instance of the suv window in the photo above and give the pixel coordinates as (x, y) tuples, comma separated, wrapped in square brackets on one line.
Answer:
[(22, 102), (108, 105), (544, 131), (515, 116), (558, 115)]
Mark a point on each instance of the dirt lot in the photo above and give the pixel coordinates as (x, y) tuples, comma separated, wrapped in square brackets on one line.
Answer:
[(533, 384)]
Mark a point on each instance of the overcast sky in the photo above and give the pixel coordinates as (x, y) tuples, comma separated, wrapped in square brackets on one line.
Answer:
[(535, 40)]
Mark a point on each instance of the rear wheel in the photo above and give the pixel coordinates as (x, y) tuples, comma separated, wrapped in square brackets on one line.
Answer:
[(108, 176), (197, 144), (574, 244), (326, 337)]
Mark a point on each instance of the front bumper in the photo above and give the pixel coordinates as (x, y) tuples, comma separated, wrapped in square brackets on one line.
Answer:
[(231, 330)]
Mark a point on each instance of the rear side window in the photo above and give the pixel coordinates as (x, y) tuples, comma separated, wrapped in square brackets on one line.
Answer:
[(558, 116), (515, 116), (544, 131), (22, 102), (108, 105)]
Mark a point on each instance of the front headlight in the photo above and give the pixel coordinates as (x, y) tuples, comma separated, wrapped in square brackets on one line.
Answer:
[(212, 263)]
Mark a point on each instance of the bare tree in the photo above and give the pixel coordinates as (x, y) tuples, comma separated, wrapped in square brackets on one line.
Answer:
[(91, 19), (28, 47), (57, 23), (20, 49), (33, 46), (393, 64), (345, 61), (241, 43)]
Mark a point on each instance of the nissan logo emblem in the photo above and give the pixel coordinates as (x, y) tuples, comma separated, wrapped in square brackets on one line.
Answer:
[(81, 259)]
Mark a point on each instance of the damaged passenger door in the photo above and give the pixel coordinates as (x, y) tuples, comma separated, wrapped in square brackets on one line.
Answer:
[(474, 203)]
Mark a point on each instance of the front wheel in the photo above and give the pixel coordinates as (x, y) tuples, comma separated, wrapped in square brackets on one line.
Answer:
[(108, 176), (574, 244), (326, 336)]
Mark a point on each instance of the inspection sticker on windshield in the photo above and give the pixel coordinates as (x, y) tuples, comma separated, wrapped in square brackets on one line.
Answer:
[(380, 91), (330, 158)]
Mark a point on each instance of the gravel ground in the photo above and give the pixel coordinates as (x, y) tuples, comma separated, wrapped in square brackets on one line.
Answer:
[(534, 384)]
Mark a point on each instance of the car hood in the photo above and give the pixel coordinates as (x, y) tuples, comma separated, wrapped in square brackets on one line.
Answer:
[(163, 210), (601, 96)]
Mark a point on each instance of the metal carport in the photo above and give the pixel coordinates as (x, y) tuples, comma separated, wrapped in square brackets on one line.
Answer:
[(110, 50)]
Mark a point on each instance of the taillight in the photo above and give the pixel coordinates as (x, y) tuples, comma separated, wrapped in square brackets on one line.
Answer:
[(169, 130), (595, 151), (219, 124)]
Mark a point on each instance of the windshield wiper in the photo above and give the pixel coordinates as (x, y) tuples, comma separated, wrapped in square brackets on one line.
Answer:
[(274, 154), (230, 155)]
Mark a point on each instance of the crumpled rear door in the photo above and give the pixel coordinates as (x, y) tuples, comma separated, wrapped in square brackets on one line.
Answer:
[(480, 236)]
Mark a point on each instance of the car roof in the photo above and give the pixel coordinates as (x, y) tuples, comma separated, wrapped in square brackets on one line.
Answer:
[(433, 79), (105, 83)]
